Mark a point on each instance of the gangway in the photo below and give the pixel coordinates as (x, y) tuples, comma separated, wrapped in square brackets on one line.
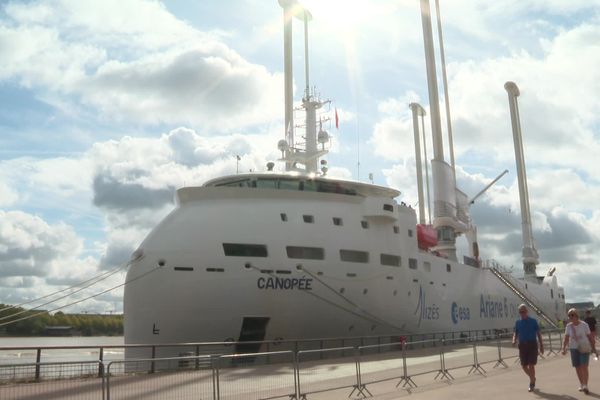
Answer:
[(528, 299)]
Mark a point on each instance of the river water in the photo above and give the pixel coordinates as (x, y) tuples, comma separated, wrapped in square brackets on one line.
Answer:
[(20, 355)]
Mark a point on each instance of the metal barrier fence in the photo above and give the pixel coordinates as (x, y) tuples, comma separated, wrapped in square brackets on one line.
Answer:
[(175, 378), (339, 372), (359, 370), (256, 376), (49, 381)]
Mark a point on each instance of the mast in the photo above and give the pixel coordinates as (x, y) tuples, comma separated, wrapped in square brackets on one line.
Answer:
[(301, 154), (445, 83), (530, 254), (288, 13), (444, 186), (418, 111)]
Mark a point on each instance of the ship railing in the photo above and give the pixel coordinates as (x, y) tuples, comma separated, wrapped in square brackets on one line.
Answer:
[(513, 284), (358, 370)]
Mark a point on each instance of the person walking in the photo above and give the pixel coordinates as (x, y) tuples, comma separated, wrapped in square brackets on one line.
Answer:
[(579, 339), (527, 333), (591, 321)]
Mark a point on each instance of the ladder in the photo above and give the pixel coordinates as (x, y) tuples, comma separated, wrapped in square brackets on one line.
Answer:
[(528, 299)]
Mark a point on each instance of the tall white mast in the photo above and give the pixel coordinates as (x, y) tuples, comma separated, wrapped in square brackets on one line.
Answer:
[(445, 83), (300, 154), (418, 112), (444, 186), (530, 254), (289, 9)]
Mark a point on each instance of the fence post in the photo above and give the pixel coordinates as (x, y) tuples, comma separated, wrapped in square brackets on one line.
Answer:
[(500, 360), (443, 371), (38, 358), (476, 366), (405, 378), (551, 351), (101, 363), (108, 381), (152, 366), (197, 356)]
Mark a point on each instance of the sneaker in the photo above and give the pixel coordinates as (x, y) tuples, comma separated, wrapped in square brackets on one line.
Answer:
[(585, 390), (531, 387), (580, 388)]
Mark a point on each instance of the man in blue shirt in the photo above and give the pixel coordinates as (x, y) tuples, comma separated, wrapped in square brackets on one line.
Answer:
[(527, 331)]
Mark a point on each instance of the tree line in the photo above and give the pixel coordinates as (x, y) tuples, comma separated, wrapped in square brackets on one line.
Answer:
[(83, 324)]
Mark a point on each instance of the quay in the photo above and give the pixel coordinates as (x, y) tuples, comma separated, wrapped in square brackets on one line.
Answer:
[(484, 367)]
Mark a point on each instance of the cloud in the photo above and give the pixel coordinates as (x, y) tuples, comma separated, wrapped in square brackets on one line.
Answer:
[(113, 194), (133, 61), (29, 246)]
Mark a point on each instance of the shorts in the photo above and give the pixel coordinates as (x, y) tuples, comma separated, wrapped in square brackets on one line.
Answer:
[(528, 353), (579, 359)]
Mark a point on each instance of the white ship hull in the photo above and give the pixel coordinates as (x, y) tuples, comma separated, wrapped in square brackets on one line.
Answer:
[(202, 294)]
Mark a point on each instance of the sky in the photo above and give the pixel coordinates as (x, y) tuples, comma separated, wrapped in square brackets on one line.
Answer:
[(109, 106)]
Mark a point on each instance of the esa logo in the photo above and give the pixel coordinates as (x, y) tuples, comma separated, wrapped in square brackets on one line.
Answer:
[(459, 313)]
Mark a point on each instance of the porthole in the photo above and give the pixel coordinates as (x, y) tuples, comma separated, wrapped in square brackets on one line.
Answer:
[(365, 291), (283, 217), (364, 224)]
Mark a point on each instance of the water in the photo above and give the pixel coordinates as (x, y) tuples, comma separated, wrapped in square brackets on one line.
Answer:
[(21, 356)]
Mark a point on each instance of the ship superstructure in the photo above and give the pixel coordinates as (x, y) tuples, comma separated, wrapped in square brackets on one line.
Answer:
[(296, 254)]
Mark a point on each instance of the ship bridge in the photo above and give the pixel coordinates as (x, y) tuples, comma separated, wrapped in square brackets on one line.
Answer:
[(302, 182)]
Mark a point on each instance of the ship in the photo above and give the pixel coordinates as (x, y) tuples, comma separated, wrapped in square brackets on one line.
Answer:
[(296, 254)]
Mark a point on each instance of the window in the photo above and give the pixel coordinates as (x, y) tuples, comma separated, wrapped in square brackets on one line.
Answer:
[(410, 233), (396, 229), (551, 293), (183, 268), (388, 207), (283, 271), (389, 278), (309, 219), (307, 253), (215, 270), (245, 250), (283, 217), (354, 256), (448, 268), (351, 275), (427, 266), (390, 259), (412, 263), (338, 221), (364, 224)]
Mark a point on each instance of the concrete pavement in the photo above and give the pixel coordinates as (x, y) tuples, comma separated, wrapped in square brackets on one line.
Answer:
[(556, 380)]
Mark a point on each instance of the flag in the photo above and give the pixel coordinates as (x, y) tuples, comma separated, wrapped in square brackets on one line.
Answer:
[(337, 120)]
